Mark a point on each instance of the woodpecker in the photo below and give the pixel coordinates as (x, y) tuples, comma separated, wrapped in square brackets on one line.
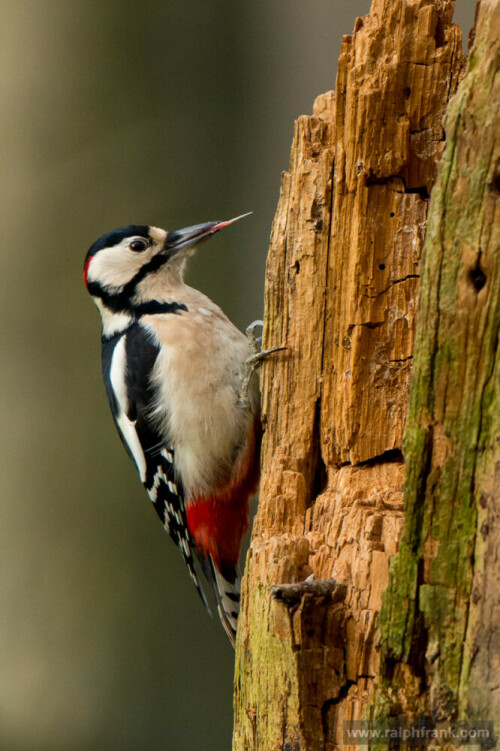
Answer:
[(179, 381)]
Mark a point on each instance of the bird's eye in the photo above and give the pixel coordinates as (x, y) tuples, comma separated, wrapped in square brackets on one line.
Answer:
[(138, 245)]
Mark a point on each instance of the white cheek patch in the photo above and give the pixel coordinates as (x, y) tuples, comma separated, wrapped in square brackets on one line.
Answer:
[(114, 267)]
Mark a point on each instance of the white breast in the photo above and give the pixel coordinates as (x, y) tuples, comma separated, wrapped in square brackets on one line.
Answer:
[(198, 377)]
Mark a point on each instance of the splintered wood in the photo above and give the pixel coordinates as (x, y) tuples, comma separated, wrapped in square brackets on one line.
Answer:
[(439, 625), (341, 294)]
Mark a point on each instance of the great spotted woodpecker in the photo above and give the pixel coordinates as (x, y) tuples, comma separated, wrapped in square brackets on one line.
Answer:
[(179, 384)]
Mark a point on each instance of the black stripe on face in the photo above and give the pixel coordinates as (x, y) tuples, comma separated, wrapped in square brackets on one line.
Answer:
[(118, 302), (121, 301), (149, 268), (115, 301)]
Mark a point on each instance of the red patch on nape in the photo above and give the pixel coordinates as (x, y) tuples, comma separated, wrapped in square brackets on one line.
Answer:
[(86, 271)]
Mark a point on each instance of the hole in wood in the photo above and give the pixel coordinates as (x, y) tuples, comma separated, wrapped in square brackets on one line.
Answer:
[(381, 266), (477, 278), (440, 37), (496, 182)]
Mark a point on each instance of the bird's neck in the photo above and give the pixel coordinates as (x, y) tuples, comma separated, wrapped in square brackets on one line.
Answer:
[(166, 284), (118, 321), (113, 322)]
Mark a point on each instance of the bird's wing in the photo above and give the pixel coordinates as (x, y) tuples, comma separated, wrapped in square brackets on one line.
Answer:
[(128, 360)]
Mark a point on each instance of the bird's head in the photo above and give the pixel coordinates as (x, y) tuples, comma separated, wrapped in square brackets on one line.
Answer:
[(122, 264)]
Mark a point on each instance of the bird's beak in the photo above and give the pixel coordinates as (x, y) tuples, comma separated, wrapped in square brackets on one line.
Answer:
[(185, 238)]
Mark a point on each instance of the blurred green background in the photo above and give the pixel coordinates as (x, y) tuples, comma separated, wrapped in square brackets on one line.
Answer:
[(169, 113)]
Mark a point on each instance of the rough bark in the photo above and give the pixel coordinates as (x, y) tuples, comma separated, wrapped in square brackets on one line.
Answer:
[(440, 622), (341, 293)]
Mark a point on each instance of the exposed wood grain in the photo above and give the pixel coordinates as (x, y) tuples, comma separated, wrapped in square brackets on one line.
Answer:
[(440, 625), (341, 293)]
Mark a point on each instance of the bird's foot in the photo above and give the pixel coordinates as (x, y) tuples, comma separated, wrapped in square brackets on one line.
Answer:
[(255, 360)]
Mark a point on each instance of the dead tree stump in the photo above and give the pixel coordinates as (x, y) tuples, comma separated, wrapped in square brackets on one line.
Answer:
[(342, 290)]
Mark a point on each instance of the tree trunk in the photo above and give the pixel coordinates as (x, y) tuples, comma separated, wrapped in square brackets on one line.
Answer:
[(440, 625), (342, 288)]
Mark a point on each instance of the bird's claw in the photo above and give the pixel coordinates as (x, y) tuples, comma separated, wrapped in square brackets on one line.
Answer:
[(255, 360), (255, 341)]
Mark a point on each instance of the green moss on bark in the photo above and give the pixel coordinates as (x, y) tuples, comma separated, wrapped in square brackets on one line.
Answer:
[(451, 444)]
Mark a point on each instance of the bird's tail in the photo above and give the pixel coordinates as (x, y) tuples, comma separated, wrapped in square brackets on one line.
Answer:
[(227, 597), (226, 589)]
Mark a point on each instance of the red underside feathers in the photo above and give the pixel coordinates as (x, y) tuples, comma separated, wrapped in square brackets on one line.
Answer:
[(218, 522), (218, 528)]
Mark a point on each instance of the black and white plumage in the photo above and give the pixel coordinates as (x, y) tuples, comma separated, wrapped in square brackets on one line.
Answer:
[(128, 359), (173, 368)]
